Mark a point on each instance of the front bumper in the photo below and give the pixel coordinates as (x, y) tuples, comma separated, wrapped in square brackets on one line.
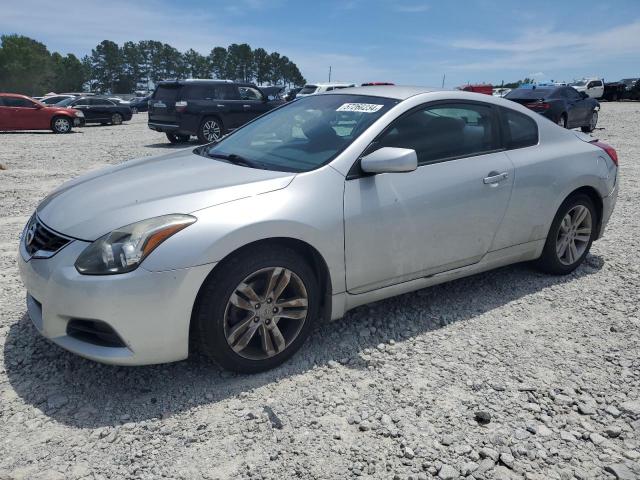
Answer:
[(149, 311)]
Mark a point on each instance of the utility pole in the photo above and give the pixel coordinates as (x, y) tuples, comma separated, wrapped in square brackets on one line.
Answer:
[(329, 73), (443, 77)]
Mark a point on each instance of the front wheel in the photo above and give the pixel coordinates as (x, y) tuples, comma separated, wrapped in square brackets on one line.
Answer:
[(61, 125), (570, 237), (562, 121), (175, 138), (257, 310), (116, 119), (211, 130), (593, 121)]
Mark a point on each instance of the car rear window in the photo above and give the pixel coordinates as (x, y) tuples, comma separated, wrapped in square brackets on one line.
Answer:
[(530, 93), (308, 89), (166, 93)]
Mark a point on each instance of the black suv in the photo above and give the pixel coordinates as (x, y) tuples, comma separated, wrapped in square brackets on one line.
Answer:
[(205, 108)]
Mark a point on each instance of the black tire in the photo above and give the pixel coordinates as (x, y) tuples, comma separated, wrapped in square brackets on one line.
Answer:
[(549, 261), (61, 125), (562, 121), (116, 119), (207, 125), (211, 305), (593, 121), (175, 138)]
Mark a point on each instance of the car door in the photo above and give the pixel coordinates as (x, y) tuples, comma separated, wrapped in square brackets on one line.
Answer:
[(443, 215), (254, 103), (595, 88), (23, 114), (84, 106), (578, 108), (4, 114), (102, 109)]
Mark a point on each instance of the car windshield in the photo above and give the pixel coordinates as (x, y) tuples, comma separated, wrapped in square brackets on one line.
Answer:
[(303, 135), (530, 93), (66, 102)]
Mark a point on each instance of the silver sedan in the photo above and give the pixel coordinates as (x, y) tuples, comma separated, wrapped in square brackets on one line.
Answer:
[(329, 202)]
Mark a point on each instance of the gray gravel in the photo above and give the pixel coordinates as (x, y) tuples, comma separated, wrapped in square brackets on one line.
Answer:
[(509, 374)]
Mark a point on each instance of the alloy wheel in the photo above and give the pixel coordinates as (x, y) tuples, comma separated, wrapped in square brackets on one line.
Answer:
[(116, 119), (594, 121), (211, 130), (265, 313), (62, 125), (563, 121), (574, 235)]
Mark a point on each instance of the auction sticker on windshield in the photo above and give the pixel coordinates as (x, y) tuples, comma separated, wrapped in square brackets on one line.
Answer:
[(359, 107)]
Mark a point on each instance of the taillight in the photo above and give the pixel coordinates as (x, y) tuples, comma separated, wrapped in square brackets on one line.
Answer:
[(181, 106), (539, 106), (613, 155)]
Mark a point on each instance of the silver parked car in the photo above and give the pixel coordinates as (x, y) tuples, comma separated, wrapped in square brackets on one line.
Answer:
[(326, 203)]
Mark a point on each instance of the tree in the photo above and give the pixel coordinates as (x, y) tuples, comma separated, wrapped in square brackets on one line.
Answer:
[(218, 62), (24, 65), (261, 65), (69, 74), (107, 65), (196, 65)]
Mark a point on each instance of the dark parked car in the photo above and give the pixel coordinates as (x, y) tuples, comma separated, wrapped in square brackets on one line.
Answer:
[(291, 94), (563, 105), (205, 108), (99, 110), (140, 104), (632, 88), (614, 91)]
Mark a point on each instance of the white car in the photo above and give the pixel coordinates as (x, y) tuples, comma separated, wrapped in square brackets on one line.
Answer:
[(594, 87), (314, 88)]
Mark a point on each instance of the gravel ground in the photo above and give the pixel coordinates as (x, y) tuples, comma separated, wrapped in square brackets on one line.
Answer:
[(508, 374)]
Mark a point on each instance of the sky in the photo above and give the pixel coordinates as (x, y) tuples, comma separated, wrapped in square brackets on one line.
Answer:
[(412, 42)]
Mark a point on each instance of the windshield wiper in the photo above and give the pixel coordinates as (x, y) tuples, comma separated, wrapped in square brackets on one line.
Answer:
[(236, 159)]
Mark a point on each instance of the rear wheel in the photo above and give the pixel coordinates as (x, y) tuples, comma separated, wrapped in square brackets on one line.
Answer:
[(211, 130), (61, 125), (570, 237), (593, 121), (175, 138), (257, 309), (116, 119), (562, 121)]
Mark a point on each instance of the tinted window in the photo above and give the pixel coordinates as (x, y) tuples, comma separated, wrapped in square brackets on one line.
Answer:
[(444, 131), (2, 102), (573, 94), (308, 89), (18, 102), (530, 93), (250, 93), (208, 92), (520, 130), (100, 101), (166, 93)]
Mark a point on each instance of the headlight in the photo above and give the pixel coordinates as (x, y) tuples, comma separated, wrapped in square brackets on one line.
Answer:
[(122, 250), (79, 114)]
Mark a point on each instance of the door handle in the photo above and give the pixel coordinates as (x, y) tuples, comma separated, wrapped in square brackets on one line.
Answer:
[(495, 177), (246, 106)]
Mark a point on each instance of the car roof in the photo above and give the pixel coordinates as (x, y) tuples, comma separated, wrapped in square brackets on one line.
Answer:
[(397, 92), (15, 95), (203, 81)]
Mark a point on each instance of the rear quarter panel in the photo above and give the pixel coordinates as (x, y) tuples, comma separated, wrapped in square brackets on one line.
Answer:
[(545, 175)]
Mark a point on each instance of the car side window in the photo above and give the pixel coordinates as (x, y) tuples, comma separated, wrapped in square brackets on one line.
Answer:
[(18, 102), (100, 101), (444, 131), (520, 130), (249, 93), (2, 104), (573, 94)]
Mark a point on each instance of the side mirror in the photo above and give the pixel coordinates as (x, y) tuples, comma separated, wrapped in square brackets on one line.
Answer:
[(390, 160)]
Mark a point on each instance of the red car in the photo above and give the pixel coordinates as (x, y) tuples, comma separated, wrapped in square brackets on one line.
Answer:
[(479, 88), (19, 112)]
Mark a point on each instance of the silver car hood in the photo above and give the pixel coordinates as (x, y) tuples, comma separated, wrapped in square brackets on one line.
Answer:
[(180, 182)]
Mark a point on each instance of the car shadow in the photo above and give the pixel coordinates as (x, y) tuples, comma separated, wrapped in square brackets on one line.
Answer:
[(86, 394)]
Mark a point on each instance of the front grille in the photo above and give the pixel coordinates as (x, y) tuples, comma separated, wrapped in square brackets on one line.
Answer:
[(39, 239)]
